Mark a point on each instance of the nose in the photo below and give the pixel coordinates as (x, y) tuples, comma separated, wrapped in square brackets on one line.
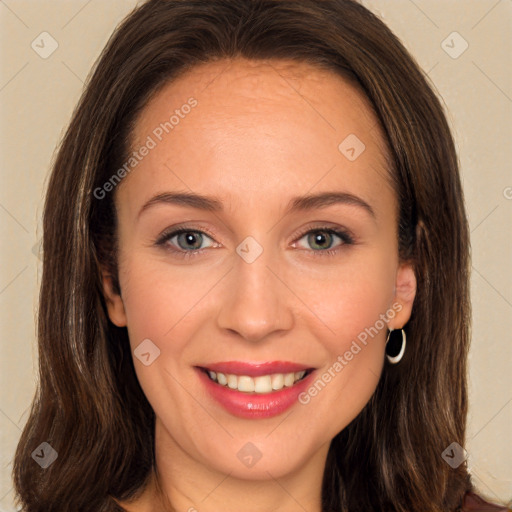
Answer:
[(256, 301)]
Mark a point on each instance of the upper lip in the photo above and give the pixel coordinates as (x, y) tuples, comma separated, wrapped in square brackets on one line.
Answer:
[(255, 369)]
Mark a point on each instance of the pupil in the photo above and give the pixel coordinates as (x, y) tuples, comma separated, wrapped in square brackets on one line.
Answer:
[(320, 239)]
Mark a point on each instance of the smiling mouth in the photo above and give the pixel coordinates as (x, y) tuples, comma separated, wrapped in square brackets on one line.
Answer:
[(261, 384)]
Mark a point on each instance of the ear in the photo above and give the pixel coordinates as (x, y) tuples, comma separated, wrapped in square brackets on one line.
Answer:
[(405, 292), (114, 301)]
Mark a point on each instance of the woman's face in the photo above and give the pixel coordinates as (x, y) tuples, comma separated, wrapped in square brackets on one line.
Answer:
[(288, 262)]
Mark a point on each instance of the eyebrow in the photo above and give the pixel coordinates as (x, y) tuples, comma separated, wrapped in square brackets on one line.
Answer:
[(296, 204), (324, 199), (189, 199)]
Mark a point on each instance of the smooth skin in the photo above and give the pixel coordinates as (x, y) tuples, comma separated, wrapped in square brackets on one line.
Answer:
[(262, 133)]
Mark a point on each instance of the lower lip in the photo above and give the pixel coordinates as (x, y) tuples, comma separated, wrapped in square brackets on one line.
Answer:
[(255, 405)]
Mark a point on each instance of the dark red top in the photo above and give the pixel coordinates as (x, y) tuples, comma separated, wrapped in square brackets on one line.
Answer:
[(474, 503)]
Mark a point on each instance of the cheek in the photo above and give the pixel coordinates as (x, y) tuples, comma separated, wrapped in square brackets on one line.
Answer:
[(159, 302), (163, 306), (351, 296), (352, 301)]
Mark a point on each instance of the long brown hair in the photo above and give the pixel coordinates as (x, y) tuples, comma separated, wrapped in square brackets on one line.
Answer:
[(89, 406)]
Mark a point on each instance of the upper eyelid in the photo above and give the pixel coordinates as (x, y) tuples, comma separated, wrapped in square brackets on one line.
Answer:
[(324, 227), (174, 230)]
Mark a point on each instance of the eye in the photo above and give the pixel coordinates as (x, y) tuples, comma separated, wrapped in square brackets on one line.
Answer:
[(184, 240), (187, 243), (322, 240)]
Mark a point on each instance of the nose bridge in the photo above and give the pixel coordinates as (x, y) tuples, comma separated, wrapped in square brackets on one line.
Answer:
[(255, 303)]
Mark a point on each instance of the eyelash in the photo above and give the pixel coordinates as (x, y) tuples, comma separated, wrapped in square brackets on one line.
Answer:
[(345, 237)]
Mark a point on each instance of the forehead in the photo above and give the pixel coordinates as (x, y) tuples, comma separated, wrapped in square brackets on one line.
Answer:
[(258, 128), (228, 89)]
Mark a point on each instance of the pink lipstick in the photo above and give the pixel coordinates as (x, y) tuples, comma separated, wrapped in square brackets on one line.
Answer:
[(255, 390)]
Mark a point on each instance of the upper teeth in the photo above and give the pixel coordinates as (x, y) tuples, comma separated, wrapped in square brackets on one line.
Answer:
[(262, 384)]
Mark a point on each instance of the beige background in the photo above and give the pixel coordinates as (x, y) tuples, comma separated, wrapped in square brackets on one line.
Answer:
[(37, 97)]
